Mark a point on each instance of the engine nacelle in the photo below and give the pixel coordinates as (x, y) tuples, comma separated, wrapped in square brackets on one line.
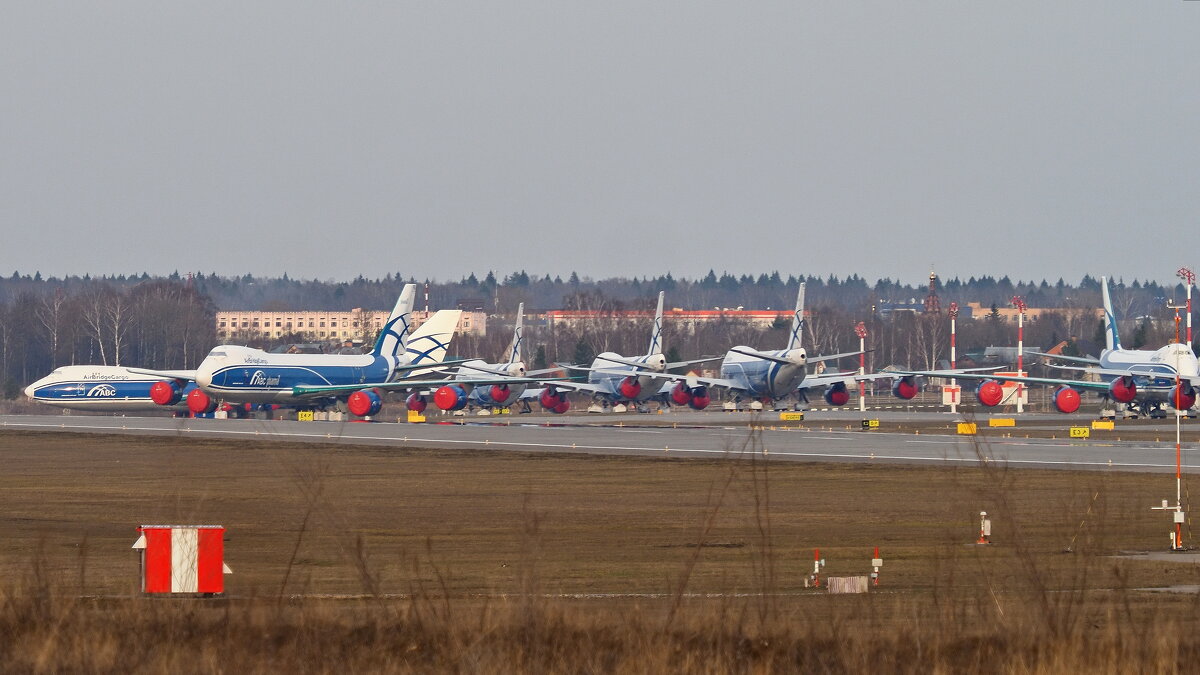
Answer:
[(629, 388), (1183, 396), (989, 393), (1123, 389), (700, 399), (200, 403), (554, 401), (1066, 400), (499, 393), (416, 403), (905, 387), (166, 392), (364, 403), (838, 394), (681, 394), (450, 397)]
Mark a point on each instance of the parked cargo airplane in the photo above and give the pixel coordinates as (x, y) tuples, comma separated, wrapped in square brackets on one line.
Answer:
[(98, 388), (1142, 379), (772, 375), (505, 382), (613, 378), (237, 374)]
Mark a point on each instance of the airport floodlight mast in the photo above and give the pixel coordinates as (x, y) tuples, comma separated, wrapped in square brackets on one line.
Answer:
[(1019, 303), (954, 390), (861, 331), (1190, 279)]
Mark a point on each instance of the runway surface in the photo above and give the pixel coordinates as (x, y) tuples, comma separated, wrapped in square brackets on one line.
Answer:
[(718, 437)]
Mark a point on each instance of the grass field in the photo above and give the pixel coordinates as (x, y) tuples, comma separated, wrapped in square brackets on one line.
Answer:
[(385, 559)]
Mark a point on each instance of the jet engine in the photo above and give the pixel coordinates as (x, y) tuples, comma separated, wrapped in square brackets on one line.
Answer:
[(695, 397), (629, 387), (166, 392), (554, 401), (450, 397), (364, 403), (499, 393), (905, 387), (416, 403), (200, 403), (1066, 399), (1123, 389), (838, 394), (1183, 396), (989, 393)]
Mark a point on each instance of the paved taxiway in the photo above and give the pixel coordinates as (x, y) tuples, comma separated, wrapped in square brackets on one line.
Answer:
[(582, 434)]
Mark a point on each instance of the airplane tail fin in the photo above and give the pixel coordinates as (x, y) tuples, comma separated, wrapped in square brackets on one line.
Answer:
[(514, 350), (431, 340), (797, 320), (394, 336), (1111, 339), (656, 336)]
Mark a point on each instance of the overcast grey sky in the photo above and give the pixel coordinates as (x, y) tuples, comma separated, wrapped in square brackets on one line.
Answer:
[(1034, 139)]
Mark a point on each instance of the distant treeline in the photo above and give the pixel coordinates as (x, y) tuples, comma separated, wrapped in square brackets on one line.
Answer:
[(168, 322), (499, 294)]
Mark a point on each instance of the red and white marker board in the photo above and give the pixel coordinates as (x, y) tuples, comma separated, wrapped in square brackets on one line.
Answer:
[(182, 558)]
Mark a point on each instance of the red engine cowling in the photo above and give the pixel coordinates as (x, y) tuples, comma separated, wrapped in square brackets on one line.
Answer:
[(200, 403), (500, 393), (839, 394), (450, 397), (166, 392), (364, 403), (700, 398), (681, 394), (1123, 389), (989, 393), (554, 401), (905, 387), (629, 388), (416, 403), (1183, 396), (1066, 400)]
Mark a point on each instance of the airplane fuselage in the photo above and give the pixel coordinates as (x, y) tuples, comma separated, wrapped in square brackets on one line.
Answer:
[(611, 383), (244, 375), (484, 396), (98, 388), (761, 378), (1168, 360)]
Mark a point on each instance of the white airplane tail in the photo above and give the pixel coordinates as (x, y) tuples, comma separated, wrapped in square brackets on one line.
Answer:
[(393, 339), (1111, 339), (514, 350), (797, 320), (656, 336), (431, 340)]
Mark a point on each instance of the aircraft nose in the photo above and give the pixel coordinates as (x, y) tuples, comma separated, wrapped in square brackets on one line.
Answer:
[(204, 376), (29, 390)]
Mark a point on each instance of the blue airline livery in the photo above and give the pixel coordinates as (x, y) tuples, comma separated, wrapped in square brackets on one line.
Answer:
[(97, 388)]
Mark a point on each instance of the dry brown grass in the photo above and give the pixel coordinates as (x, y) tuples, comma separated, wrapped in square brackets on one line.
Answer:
[(486, 562)]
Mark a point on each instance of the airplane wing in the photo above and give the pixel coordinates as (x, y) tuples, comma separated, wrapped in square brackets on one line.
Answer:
[(189, 375), (1062, 357), (334, 389), (833, 357), (1078, 384)]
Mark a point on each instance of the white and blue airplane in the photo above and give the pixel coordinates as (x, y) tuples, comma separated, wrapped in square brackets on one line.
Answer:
[(772, 376), (614, 379), (243, 375), (1143, 380), (99, 389), (503, 384)]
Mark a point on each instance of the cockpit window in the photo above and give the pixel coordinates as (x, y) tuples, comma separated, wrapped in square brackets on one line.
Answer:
[(216, 352)]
